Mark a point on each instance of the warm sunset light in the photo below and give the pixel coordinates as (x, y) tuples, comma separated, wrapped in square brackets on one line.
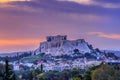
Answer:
[(20, 42), (59, 39), (79, 1), (5, 1), (27, 22)]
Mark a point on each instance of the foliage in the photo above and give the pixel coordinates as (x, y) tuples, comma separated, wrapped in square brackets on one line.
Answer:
[(64, 75), (87, 75), (8, 74), (89, 56), (112, 55), (34, 58), (76, 51), (100, 72), (76, 78), (106, 72)]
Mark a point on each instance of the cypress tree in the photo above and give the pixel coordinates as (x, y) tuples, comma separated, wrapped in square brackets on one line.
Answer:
[(8, 74), (41, 68)]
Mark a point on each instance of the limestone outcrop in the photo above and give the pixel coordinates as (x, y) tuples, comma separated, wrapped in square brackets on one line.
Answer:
[(58, 45)]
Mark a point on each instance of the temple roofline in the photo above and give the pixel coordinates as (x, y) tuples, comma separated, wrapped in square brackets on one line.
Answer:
[(56, 38)]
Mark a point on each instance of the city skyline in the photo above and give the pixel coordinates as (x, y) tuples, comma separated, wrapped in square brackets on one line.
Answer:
[(26, 23)]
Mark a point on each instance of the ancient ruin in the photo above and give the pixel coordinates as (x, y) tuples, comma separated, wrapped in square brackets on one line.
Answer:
[(57, 45)]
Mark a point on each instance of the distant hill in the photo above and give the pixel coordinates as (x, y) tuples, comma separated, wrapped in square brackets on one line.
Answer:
[(15, 53), (8, 54), (117, 53)]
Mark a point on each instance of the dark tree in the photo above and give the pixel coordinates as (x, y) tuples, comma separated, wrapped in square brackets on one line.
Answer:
[(41, 68), (76, 51), (8, 74)]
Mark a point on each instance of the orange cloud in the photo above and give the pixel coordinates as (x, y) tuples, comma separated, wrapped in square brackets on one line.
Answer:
[(20, 42), (5, 1), (101, 34)]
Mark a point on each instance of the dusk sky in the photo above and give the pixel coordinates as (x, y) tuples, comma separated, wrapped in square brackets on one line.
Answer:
[(26, 23)]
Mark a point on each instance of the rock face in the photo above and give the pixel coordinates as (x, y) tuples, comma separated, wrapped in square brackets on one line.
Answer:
[(58, 45)]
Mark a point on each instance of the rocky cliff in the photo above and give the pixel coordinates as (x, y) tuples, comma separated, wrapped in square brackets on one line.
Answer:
[(58, 45)]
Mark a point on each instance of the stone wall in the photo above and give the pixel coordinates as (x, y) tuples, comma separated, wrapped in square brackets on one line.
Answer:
[(54, 44), (56, 38), (47, 45)]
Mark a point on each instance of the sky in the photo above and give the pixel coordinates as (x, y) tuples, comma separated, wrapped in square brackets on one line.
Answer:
[(26, 23)]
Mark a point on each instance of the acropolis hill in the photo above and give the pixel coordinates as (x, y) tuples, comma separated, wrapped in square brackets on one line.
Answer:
[(57, 45)]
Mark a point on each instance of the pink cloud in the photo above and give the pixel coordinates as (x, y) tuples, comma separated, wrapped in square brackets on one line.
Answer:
[(6, 1), (93, 2), (104, 35)]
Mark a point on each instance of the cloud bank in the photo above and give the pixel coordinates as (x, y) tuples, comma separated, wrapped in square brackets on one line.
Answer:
[(104, 35), (35, 19)]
